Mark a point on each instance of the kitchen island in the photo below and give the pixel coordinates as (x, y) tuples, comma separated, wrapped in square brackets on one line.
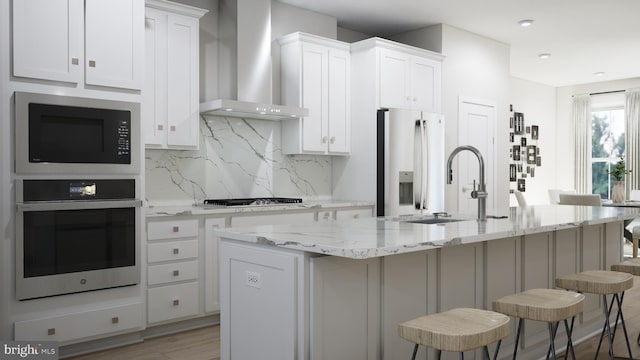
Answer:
[(338, 290)]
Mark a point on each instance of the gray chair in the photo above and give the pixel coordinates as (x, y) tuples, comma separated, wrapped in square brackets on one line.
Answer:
[(580, 199)]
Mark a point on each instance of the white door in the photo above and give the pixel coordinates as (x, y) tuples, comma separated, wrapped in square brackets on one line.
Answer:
[(476, 124)]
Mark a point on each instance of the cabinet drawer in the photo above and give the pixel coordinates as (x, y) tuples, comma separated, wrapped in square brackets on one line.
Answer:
[(172, 302), (353, 214), (172, 229), (166, 273), (80, 325), (174, 250)]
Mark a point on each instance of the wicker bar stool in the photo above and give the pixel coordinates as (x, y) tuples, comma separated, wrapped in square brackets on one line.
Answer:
[(456, 330), (548, 305), (602, 282), (630, 266)]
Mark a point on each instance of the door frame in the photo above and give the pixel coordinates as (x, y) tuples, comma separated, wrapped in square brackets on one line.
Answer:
[(491, 141)]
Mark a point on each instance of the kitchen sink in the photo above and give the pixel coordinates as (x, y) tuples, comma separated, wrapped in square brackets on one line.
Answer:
[(435, 221)]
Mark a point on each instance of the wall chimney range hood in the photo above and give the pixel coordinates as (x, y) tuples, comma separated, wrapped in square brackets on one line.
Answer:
[(251, 110), (252, 41)]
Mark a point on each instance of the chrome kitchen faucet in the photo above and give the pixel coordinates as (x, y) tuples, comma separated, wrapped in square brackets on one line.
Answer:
[(481, 192)]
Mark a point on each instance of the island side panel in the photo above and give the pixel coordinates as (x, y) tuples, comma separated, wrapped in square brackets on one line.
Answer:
[(258, 295), (409, 290), (345, 308)]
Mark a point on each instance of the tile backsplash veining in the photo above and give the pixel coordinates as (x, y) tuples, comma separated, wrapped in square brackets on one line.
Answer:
[(237, 158)]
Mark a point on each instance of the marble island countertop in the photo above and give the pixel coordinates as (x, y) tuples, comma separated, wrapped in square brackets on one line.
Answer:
[(153, 211), (376, 237)]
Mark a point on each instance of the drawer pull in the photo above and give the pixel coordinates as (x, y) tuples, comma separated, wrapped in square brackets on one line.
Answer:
[(160, 127), (176, 229), (92, 63), (172, 128), (176, 251), (115, 320), (75, 61), (51, 331), (176, 302), (176, 272)]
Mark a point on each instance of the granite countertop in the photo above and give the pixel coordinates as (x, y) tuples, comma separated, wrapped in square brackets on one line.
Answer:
[(376, 237), (158, 211)]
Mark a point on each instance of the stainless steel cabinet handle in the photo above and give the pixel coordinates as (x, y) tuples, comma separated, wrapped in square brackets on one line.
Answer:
[(333, 139), (176, 272), (160, 127), (176, 302), (176, 229), (176, 251), (75, 61), (51, 331), (324, 139), (115, 320), (92, 63), (172, 128)]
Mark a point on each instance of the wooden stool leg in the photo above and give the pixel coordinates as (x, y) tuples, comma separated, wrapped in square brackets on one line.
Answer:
[(415, 351)]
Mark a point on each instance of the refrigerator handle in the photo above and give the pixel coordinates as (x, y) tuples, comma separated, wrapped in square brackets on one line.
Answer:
[(425, 168)]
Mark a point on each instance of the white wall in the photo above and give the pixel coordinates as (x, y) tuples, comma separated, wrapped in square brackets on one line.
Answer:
[(6, 198), (538, 104), (350, 36), (565, 152), (475, 67)]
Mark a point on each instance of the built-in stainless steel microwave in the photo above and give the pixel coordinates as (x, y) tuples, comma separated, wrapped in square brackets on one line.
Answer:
[(68, 135)]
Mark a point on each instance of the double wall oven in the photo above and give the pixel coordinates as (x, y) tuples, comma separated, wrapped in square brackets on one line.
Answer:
[(78, 213)]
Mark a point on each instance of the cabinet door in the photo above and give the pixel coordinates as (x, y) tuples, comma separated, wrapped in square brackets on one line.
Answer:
[(339, 96), (425, 84), (211, 285), (182, 82), (314, 97), (47, 39), (394, 75), (154, 101), (114, 37)]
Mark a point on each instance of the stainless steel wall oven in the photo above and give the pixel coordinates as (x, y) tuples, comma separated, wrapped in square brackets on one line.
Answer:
[(76, 235)]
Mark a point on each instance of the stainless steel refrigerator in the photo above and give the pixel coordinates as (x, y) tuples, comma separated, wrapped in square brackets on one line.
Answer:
[(410, 162)]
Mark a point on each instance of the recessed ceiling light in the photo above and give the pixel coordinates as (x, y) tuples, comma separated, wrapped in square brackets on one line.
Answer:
[(544, 56), (525, 23), (599, 73)]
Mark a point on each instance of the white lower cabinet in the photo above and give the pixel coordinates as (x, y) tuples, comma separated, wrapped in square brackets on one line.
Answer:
[(172, 302), (354, 213), (173, 288), (81, 325), (211, 267)]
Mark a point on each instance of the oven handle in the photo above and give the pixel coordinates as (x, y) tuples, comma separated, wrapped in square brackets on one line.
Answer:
[(78, 205)]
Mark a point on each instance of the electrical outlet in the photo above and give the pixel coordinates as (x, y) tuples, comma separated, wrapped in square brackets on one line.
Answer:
[(253, 279)]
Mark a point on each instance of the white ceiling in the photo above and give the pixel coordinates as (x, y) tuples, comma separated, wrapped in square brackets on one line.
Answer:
[(582, 36)]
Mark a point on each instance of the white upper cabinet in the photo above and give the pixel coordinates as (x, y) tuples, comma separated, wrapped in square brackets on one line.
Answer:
[(409, 81), (171, 99), (316, 74), (90, 42)]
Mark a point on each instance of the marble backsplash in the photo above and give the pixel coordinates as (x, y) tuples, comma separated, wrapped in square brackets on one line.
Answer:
[(237, 158)]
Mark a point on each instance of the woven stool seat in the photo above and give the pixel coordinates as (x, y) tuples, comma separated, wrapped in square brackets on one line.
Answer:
[(456, 330), (597, 282), (630, 266), (549, 305)]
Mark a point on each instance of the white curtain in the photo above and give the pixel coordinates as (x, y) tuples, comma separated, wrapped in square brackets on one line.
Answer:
[(582, 148), (632, 138)]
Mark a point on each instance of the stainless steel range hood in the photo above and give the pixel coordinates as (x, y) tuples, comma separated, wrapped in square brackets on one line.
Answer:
[(251, 110), (252, 42)]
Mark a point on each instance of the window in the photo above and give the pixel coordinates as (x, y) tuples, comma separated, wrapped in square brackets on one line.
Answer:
[(607, 147)]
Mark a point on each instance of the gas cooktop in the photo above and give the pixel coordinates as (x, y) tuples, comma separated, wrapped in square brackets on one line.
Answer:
[(252, 201)]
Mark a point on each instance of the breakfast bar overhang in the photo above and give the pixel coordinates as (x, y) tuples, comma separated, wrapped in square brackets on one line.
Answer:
[(339, 290)]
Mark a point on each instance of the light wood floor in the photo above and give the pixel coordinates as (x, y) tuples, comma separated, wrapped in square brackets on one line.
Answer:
[(204, 344)]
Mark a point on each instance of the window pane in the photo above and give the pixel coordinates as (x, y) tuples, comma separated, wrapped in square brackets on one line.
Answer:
[(600, 179), (607, 133)]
